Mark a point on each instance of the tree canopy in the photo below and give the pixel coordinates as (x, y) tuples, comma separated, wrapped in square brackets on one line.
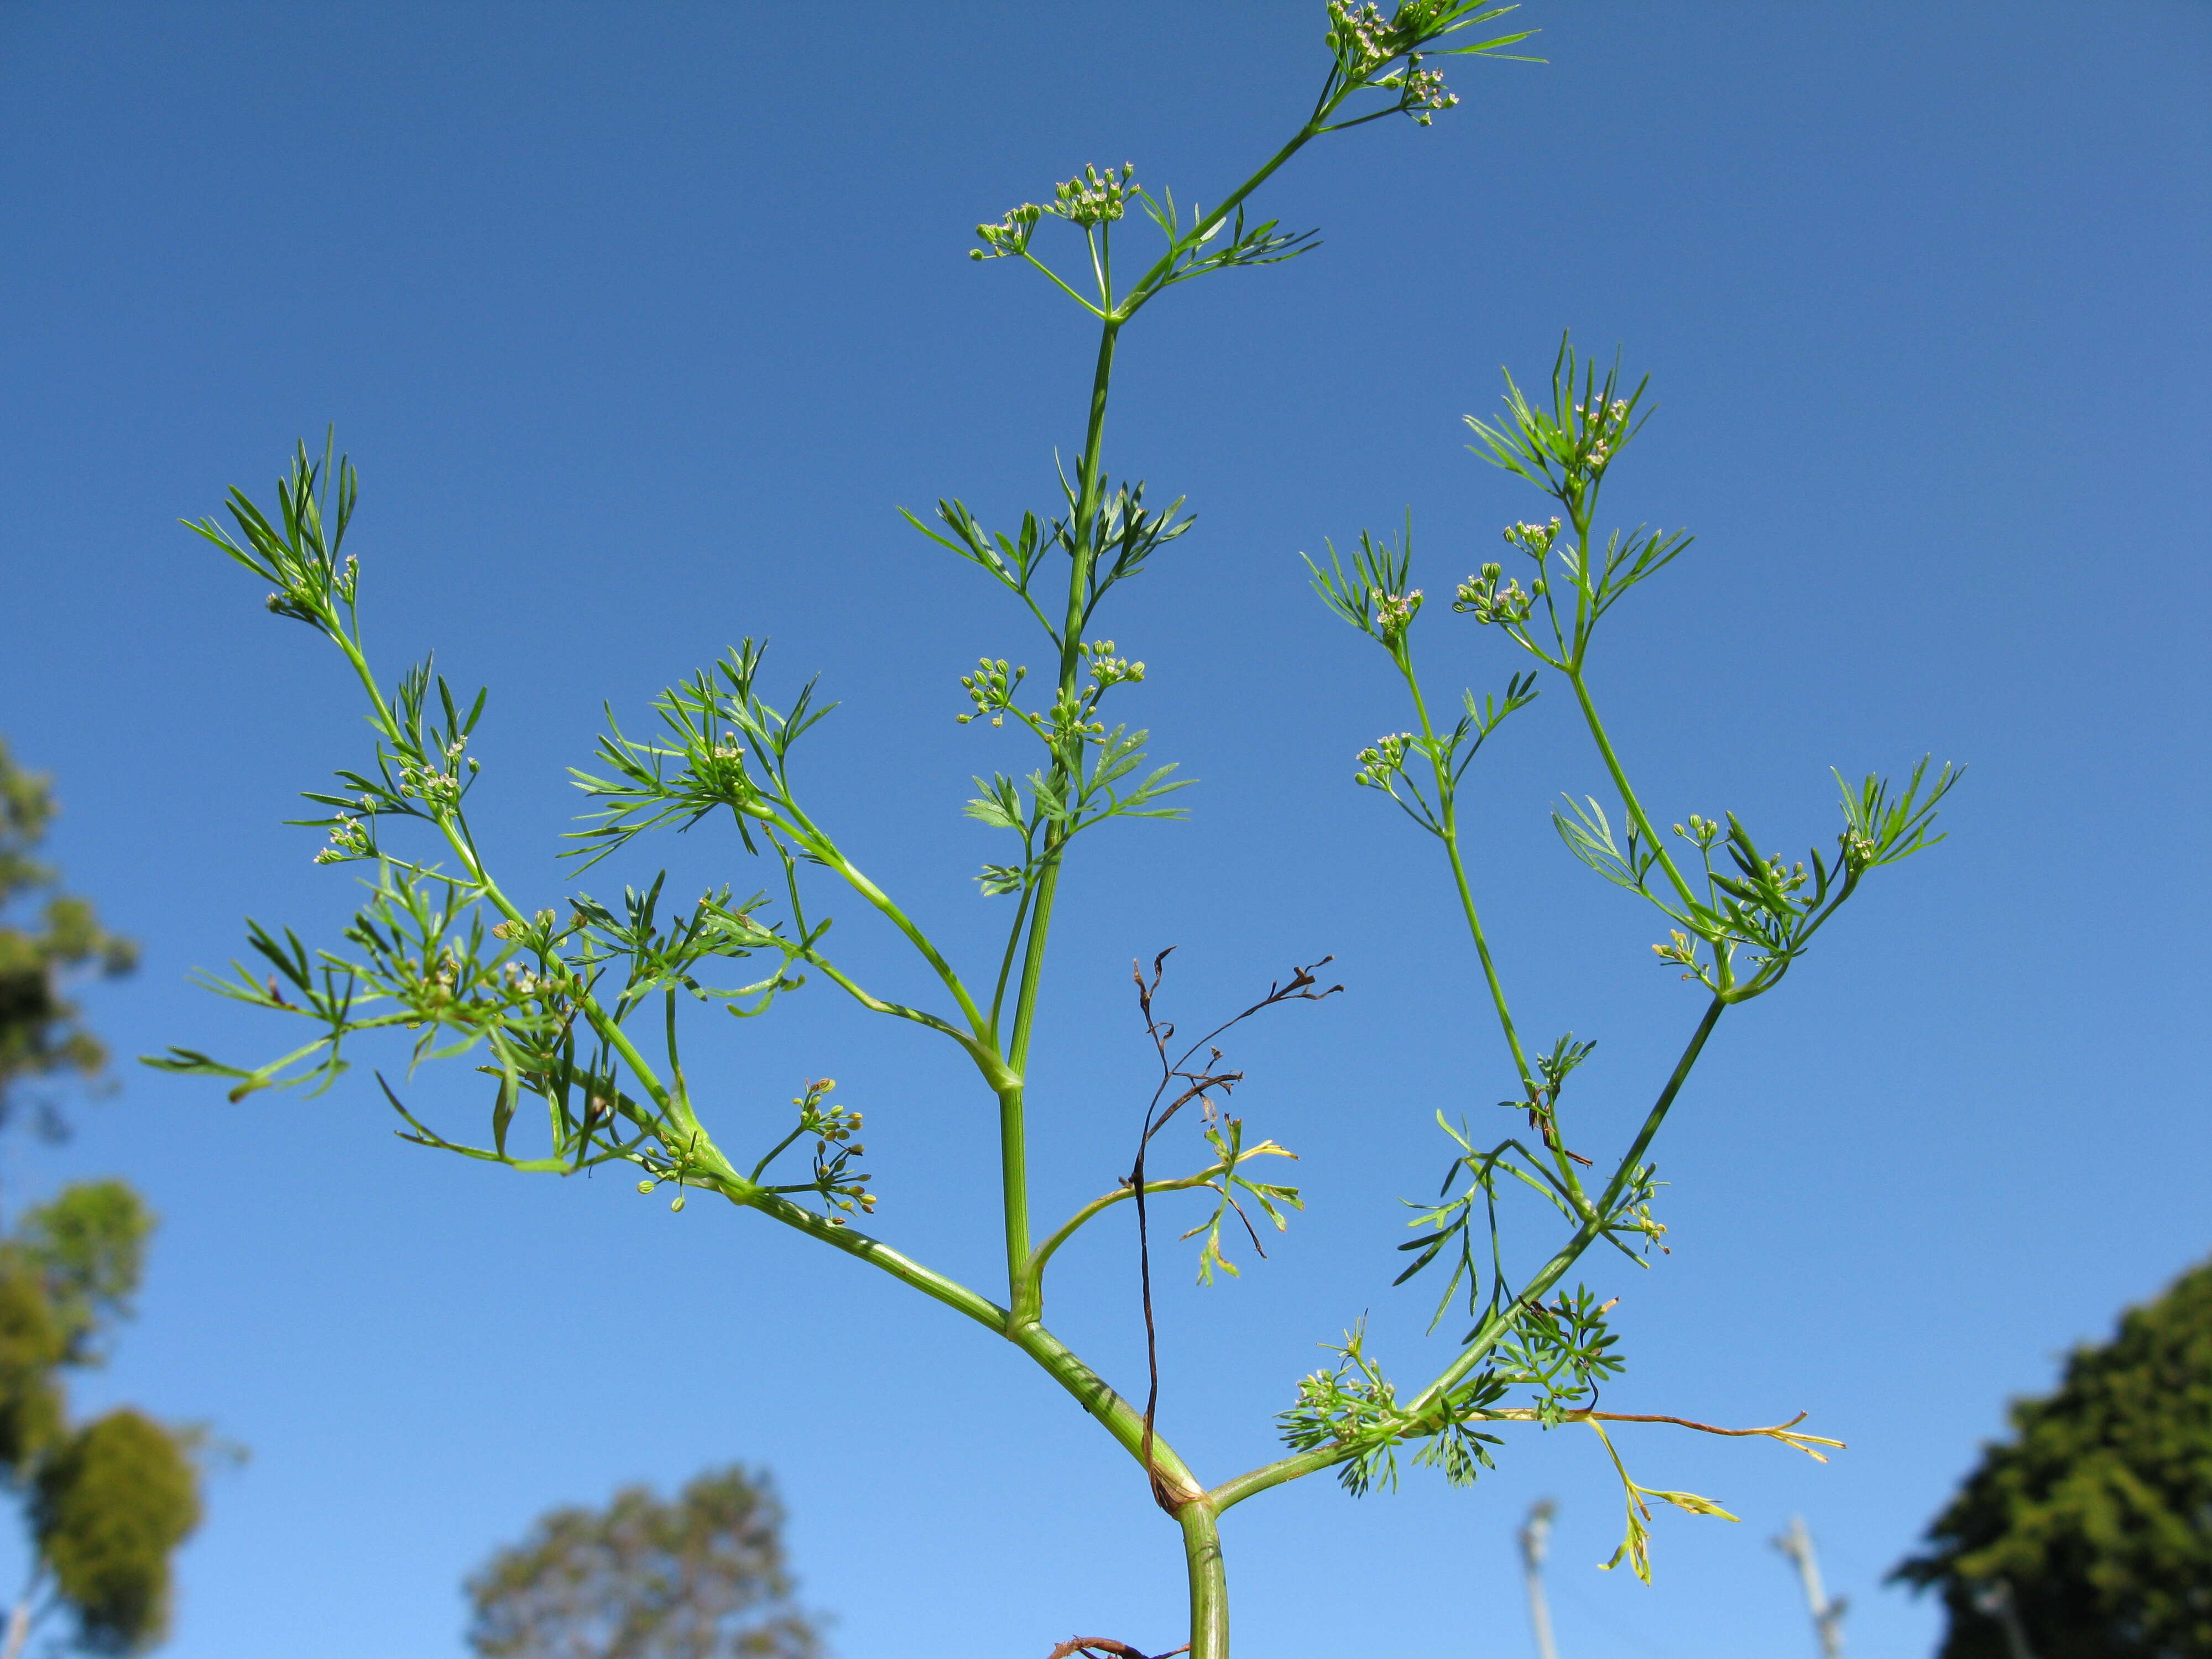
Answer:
[(52, 933), (2097, 1514), (701, 1576), (108, 1500)]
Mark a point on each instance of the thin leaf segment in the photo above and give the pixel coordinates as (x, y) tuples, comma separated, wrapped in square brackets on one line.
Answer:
[(578, 1008)]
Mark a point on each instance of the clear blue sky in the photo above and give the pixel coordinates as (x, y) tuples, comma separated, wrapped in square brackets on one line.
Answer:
[(640, 321)]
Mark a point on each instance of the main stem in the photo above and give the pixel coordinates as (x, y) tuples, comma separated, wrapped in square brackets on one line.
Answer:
[(1013, 1130), (1209, 1581)]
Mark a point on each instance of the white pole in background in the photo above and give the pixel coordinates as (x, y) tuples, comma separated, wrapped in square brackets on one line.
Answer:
[(1534, 1534), (1828, 1615), (1995, 1600)]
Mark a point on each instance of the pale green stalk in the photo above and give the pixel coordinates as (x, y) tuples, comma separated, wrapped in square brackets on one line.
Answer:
[(1448, 817)]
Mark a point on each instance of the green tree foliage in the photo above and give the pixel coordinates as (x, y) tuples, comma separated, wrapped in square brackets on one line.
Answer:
[(108, 1501), (2097, 1514), (40, 1032), (700, 1578), (110, 1506)]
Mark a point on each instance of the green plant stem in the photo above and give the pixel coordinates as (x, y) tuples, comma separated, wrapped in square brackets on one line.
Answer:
[(1107, 1200), (802, 830), (1006, 962), (1087, 479), (1116, 1415), (1014, 1185), (1448, 817), (874, 1252), (1209, 1581), (1482, 951), (1013, 1134), (1628, 799), (1150, 283), (1013, 1131), (1495, 1325), (675, 1064)]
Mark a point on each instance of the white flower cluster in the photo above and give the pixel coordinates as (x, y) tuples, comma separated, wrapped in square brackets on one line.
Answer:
[(1394, 613), (1425, 93), (1383, 760), (438, 787), (1092, 197), (1534, 539), (1009, 235), (348, 840), (1481, 595), (523, 982), (1601, 423), (1361, 35), (1107, 669)]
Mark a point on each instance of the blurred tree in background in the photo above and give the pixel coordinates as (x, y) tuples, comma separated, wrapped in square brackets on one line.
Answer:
[(2096, 1517), (700, 1578), (40, 1032), (106, 1502)]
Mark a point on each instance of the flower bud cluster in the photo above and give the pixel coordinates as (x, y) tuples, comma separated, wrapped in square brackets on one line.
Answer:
[(991, 689), (1858, 849), (307, 598), (1424, 93), (1602, 424), (721, 765), (349, 840), (438, 786), (834, 1128), (1010, 235), (1679, 947), (833, 1123), (1383, 760), (1092, 197), (523, 982), (535, 935), (1071, 717), (1481, 596), (1360, 35), (1107, 669), (1534, 539), (1394, 613), (1703, 832)]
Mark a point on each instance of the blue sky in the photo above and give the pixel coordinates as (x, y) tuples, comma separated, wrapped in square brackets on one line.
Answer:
[(640, 323)]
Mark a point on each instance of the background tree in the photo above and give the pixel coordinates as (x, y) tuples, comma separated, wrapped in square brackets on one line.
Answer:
[(40, 1032), (108, 1501), (700, 1578), (2097, 1514)]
